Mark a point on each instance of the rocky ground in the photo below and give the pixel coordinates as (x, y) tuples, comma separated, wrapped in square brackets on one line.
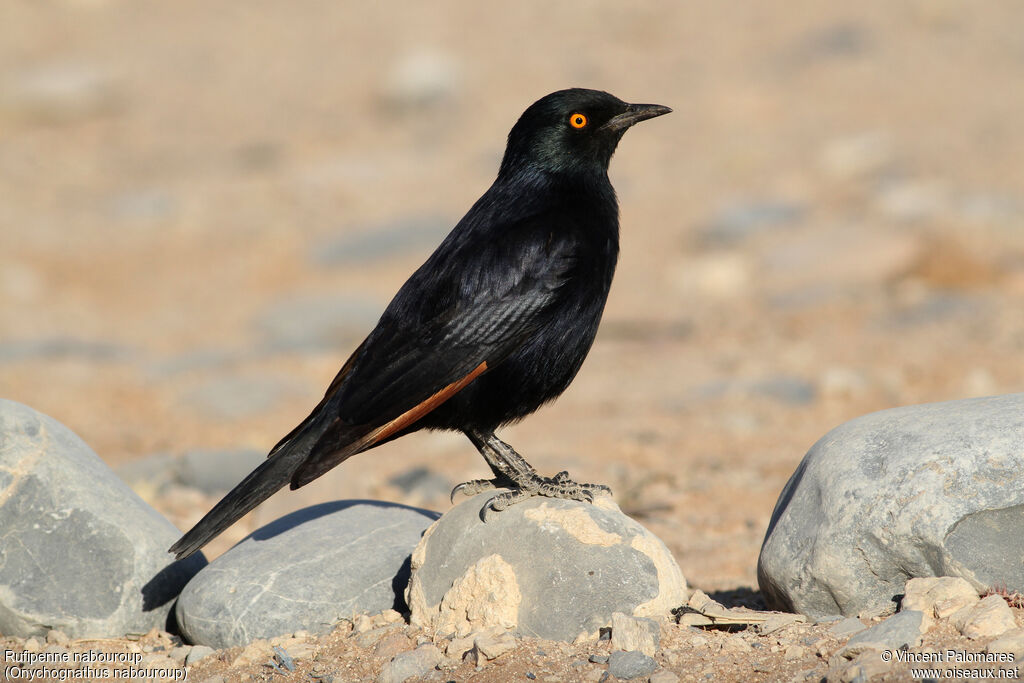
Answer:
[(204, 208), (384, 648)]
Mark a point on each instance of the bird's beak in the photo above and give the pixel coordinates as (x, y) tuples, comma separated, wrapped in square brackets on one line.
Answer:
[(635, 114)]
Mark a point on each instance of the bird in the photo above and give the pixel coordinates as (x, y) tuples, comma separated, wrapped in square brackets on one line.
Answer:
[(496, 322)]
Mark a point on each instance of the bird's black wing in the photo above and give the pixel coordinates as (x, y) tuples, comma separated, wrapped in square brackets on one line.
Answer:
[(405, 369)]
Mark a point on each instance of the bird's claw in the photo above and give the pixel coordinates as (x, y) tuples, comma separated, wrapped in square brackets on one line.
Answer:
[(558, 486), (474, 486)]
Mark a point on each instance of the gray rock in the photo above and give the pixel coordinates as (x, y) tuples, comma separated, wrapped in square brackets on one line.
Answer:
[(847, 627), (81, 552), (926, 490), (378, 242), (414, 664), (545, 568), (900, 631), (629, 665), (304, 571)]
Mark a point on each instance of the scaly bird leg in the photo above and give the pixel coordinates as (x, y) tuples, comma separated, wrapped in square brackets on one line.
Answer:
[(512, 471)]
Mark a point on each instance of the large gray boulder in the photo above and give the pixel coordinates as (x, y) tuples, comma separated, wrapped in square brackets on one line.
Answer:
[(925, 490), (304, 571), (80, 552), (546, 568)]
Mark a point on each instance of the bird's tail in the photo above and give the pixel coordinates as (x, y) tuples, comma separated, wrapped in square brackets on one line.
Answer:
[(261, 483)]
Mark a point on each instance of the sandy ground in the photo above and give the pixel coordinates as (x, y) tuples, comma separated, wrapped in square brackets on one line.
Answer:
[(204, 207)]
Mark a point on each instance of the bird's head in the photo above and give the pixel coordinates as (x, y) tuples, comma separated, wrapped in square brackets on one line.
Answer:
[(572, 131)]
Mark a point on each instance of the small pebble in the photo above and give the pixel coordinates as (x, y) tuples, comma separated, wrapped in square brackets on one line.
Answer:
[(197, 653), (491, 646), (699, 641), (179, 653), (663, 676), (391, 645), (457, 647), (629, 665), (388, 616), (362, 623), (415, 663), (793, 652), (599, 659), (56, 637)]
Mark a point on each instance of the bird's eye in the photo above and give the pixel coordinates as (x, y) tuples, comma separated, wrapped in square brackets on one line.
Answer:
[(578, 121)]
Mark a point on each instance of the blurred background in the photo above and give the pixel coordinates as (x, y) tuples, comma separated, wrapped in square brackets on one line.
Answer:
[(204, 207)]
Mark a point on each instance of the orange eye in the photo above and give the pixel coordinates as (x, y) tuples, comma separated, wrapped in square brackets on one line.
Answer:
[(578, 121)]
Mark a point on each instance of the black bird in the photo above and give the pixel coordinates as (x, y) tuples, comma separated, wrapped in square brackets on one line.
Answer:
[(493, 325)]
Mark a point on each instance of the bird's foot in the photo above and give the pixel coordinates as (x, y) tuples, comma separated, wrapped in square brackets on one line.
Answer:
[(558, 486), (474, 486)]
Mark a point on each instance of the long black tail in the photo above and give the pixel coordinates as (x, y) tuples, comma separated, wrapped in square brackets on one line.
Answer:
[(261, 483)]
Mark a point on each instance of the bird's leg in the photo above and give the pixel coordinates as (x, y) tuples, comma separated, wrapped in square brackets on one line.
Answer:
[(504, 474), (512, 471)]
